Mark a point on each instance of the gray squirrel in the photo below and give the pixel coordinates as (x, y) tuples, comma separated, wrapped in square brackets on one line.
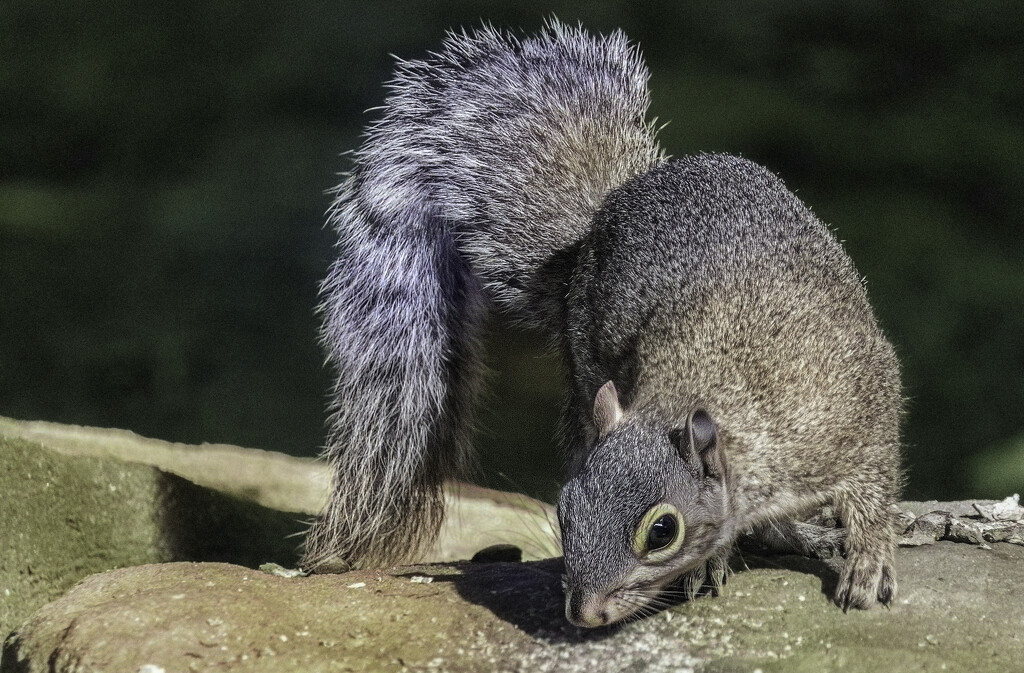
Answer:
[(726, 373)]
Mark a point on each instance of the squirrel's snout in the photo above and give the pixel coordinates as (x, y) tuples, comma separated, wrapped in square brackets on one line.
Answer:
[(587, 611)]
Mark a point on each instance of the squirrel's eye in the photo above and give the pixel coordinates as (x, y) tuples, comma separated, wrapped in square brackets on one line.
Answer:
[(662, 532), (659, 534)]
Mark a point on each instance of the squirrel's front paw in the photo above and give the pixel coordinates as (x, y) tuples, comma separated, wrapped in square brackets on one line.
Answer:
[(865, 579), (708, 577)]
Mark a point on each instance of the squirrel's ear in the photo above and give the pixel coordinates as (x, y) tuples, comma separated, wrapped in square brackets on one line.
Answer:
[(700, 439), (607, 411)]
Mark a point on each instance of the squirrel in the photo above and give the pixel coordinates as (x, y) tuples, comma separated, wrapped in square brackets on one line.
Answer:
[(726, 372)]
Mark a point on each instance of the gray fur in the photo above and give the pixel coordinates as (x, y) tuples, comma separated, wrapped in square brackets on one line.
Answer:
[(705, 284), (481, 175), (751, 382)]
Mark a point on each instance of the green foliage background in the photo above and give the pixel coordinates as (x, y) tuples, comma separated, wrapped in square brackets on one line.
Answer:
[(163, 168)]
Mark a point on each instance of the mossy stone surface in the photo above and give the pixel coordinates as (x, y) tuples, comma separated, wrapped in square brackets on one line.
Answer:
[(958, 610), (76, 501), (64, 517)]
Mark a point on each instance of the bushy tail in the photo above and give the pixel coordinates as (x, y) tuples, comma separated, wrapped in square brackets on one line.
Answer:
[(402, 316), (480, 177), (515, 143)]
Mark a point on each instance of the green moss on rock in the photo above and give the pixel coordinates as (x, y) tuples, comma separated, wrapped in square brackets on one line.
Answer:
[(63, 518)]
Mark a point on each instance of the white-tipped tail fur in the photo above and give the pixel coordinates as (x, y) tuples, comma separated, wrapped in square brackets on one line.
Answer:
[(474, 186)]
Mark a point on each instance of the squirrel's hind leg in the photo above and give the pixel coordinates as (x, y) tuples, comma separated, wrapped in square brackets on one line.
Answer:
[(796, 537), (868, 573)]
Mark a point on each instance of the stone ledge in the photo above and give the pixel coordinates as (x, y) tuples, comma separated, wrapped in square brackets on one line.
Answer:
[(958, 609), (76, 501)]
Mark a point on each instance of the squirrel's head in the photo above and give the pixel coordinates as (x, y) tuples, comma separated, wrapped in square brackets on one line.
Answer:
[(647, 504)]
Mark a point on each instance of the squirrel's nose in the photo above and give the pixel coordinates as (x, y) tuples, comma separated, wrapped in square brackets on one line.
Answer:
[(587, 611)]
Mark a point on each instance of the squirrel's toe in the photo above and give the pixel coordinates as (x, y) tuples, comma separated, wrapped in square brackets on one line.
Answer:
[(865, 579)]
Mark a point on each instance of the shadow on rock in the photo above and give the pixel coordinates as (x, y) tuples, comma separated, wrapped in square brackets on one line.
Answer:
[(749, 556), (530, 595), (527, 595), (200, 524), (10, 662)]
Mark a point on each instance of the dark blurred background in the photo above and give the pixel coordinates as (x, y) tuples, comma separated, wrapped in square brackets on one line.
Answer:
[(163, 168)]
